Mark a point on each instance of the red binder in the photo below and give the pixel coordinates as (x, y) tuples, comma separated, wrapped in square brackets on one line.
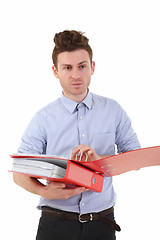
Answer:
[(125, 162), (91, 174), (74, 173)]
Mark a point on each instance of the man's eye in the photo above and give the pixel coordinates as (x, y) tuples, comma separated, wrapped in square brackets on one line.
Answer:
[(82, 66), (68, 68)]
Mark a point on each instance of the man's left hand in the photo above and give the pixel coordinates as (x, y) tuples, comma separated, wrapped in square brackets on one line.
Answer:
[(86, 153)]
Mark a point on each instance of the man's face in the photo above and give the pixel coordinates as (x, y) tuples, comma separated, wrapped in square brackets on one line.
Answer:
[(74, 71)]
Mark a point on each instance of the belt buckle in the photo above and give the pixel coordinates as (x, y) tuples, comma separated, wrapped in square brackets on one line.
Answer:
[(84, 221)]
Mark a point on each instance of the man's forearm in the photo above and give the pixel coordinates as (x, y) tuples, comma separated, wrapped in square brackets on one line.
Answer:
[(30, 184), (54, 190)]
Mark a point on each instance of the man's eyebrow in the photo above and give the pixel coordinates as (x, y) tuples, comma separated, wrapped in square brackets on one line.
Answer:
[(65, 64), (82, 62), (68, 65)]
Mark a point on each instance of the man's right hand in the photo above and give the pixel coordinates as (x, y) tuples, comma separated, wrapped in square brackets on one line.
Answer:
[(54, 190), (58, 190)]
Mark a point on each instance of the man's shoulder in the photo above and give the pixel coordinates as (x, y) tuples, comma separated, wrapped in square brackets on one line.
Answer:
[(50, 108), (103, 100)]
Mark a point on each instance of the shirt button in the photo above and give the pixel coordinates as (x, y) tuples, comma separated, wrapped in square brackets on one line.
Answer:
[(83, 135), (82, 204), (81, 117)]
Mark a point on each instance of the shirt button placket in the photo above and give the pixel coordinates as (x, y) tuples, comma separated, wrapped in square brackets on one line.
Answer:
[(82, 124)]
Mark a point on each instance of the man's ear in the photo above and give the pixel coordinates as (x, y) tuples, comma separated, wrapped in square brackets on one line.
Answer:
[(55, 71), (92, 67)]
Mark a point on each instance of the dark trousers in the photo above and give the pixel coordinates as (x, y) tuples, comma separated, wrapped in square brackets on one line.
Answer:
[(55, 228)]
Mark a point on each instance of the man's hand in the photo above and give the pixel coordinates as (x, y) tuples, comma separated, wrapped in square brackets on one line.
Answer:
[(57, 190), (87, 153), (54, 190)]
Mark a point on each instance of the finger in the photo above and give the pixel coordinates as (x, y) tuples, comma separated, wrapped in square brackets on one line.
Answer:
[(83, 151), (87, 153), (85, 148), (75, 151), (70, 193), (81, 146), (57, 185), (91, 153), (78, 151)]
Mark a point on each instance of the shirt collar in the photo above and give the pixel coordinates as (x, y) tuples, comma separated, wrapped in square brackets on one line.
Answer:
[(71, 105)]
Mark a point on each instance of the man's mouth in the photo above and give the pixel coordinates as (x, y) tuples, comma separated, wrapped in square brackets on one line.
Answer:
[(76, 84)]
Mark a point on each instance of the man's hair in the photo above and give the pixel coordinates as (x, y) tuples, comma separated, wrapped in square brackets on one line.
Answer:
[(68, 41)]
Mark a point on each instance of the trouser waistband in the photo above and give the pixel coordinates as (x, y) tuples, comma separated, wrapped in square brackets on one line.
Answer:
[(83, 218)]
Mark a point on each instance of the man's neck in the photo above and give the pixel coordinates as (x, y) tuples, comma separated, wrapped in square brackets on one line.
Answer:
[(77, 98)]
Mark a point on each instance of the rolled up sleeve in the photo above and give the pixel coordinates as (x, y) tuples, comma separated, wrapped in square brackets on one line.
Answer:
[(126, 138), (34, 140)]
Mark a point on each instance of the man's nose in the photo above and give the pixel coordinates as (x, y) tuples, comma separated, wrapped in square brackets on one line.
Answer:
[(75, 74)]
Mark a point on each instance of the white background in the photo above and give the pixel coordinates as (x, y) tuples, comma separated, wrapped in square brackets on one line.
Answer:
[(125, 37)]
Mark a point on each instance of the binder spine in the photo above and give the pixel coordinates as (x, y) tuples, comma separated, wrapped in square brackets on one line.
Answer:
[(84, 177)]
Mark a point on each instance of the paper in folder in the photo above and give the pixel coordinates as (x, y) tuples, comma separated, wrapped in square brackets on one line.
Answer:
[(89, 174)]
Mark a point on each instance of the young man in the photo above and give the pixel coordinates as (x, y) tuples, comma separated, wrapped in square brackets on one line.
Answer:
[(78, 121)]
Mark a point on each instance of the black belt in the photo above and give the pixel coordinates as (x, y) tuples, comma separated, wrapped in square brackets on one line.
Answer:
[(83, 218)]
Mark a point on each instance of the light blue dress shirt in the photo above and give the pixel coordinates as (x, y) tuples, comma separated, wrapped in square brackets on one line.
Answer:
[(64, 124)]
